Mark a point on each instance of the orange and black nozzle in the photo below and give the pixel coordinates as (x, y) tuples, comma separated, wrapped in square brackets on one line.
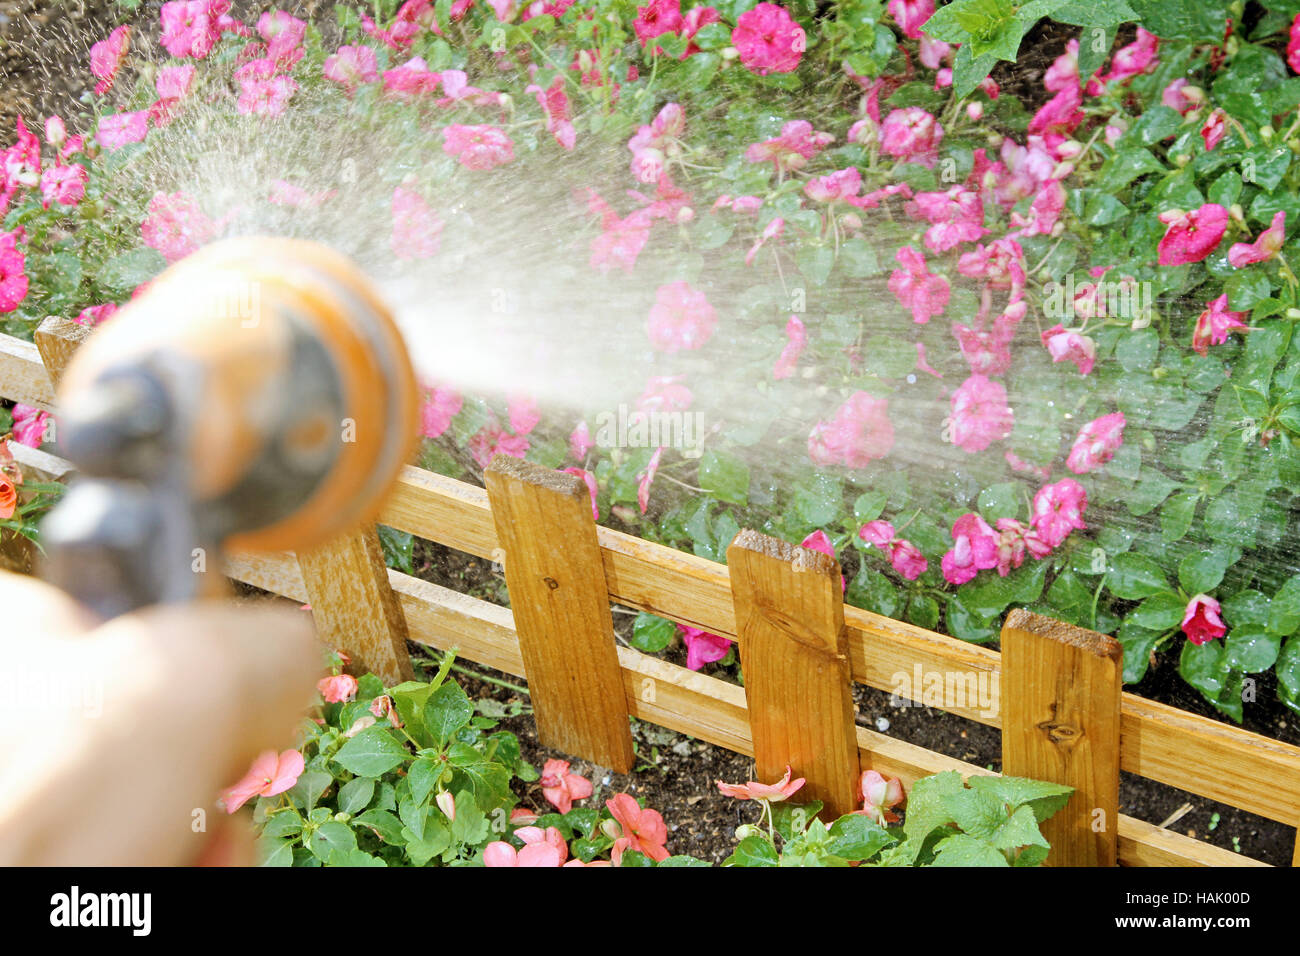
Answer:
[(257, 396)]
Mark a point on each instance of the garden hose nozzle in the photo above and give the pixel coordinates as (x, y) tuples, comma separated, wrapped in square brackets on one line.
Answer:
[(257, 396)]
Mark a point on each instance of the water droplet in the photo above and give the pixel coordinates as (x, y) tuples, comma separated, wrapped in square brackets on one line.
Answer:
[(911, 379), (882, 724)]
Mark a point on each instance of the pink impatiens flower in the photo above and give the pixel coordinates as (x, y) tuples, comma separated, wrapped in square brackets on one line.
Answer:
[(797, 144), (1201, 622), (490, 441), (975, 549), (702, 647), (542, 848), (13, 274), (120, 129), (777, 792), (1216, 126), (796, 339), (593, 489), (905, 557), (63, 184), (352, 66), (1136, 58), (417, 230), (1097, 443), (1191, 236), (1058, 510), (980, 414), (29, 425), (440, 406), (1068, 346), (916, 288), (1181, 96), (681, 318), (478, 147), (912, 135), (860, 433), (646, 478), (270, 774), (641, 830), (283, 33), (820, 541), (768, 40), (175, 225), (880, 795), (264, 95), (554, 102), (106, 58), (413, 78), (1293, 45), (192, 27), (1262, 249), (561, 788), (1015, 540), (911, 15), (337, 689), (956, 216), (1213, 325), (655, 19)]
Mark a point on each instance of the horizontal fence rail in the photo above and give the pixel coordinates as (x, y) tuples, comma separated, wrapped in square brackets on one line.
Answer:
[(1162, 743)]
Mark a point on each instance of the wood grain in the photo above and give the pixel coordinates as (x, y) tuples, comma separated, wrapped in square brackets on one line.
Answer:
[(56, 340), (1061, 724), (561, 610)]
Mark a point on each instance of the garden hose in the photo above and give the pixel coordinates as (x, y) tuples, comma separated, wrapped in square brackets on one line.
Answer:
[(257, 396)]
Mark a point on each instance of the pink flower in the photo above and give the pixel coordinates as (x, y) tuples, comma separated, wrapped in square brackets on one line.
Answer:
[(702, 647), (580, 441), (840, 186), (646, 478), (681, 318), (478, 147), (270, 775), (266, 97), (641, 830), (96, 314), (440, 406), (1064, 71), (63, 184), (1262, 249), (1214, 129), (351, 66), (879, 795), (455, 83), (980, 414), (1213, 325), (1202, 622), (13, 274), (120, 129), (1058, 510), (592, 489), (21, 161), (29, 425), (773, 230), (819, 541), (1178, 95), (796, 339), (653, 143), (337, 689), (175, 225), (797, 144), (1191, 236), (192, 27), (417, 230), (561, 788), (554, 102), (956, 216), (923, 365), (1070, 346), (1001, 265), (911, 15), (285, 193), (1097, 443), (541, 849), (56, 132), (988, 351), (383, 709), (916, 288), (912, 135), (413, 78), (491, 441), (975, 549), (777, 792), (905, 557), (1060, 115), (860, 433), (1014, 540), (283, 34), (1136, 58), (175, 82), (768, 40), (1293, 45), (655, 19), (106, 58)]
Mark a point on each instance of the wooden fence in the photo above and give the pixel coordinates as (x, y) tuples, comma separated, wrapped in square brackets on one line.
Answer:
[(1054, 691)]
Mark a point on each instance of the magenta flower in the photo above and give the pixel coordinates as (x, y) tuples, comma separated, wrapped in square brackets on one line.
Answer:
[(94, 315), (175, 82), (1069, 346), (352, 66), (1014, 541), (1001, 264), (905, 557), (413, 78), (1293, 45), (1097, 443), (665, 393), (561, 788), (911, 15), (1060, 115), (1179, 95), (554, 102), (283, 33), (859, 434), (1214, 129), (1136, 58), (270, 774), (1213, 325), (106, 58), (681, 318), (1202, 622), (646, 478), (988, 351), (266, 97), (1262, 249), (1064, 71), (980, 414), (1191, 236), (956, 216), (417, 230), (797, 144), (175, 225), (655, 19), (652, 144), (840, 186), (592, 489), (29, 425), (702, 647), (580, 441), (490, 441), (440, 406), (975, 549), (912, 135), (120, 129), (916, 288), (796, 339), (192, 27), (478, 147), (1058, 510), (768, 40), (63, 184)]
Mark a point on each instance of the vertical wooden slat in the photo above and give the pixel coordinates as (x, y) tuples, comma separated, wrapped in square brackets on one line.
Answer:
[(560, 601), (354, 605), (794, 655), (56, 340), (1295, 854), (1060, 697)]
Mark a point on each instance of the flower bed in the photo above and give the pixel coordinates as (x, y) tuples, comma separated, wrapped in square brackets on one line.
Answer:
[(994, 353)]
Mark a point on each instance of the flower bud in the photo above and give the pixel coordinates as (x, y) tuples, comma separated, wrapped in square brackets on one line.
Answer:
[(730, 53), (1267, 132), (685, 215), (611, 829), (1293, 313), (747, 830), (342, 817), (1235, 211), (975, 111), (56, 134), (1182, 159), (447, 804), (1069, 149), (1159, 373)]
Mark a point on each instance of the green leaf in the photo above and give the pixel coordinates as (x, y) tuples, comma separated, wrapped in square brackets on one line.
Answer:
[(999, 501), (724, 476), (383, 824), (1251, 649), (122, 273), (1284, 609), (855, 837), (422, 777), (272, 852), (1201, 571), (1044, 798), (817, 501), (1137, 349), (354, 796), (309, 788), (816, 262), (1288, 673), (1203, 667), (1159, 612), (436, 838), (329, 837), (680, 861), (963, 850), (754, 851), (489, 781), (1156, 124), (1138, 642), (447, 711), (652, 634), (869, 506), (1134, 576), (372, 753), (1100, 13), (1177, 514), (1125, 166)]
